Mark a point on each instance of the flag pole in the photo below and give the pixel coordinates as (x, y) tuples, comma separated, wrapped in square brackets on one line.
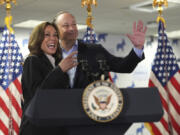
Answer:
[(8, 22), (8, 18), (89, 3), (160, 4)]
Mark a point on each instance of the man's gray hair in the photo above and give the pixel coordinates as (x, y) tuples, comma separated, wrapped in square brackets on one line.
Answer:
[(60, 13)]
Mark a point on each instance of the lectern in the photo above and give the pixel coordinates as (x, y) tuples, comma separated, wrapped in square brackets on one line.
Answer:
[(63, 107)]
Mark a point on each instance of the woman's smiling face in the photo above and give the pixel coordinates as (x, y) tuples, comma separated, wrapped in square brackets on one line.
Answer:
[(50, 42)]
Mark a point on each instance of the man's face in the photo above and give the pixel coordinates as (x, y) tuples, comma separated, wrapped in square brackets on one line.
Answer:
[(67, 27)]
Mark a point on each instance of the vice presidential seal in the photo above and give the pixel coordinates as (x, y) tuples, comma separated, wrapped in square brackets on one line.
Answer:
[(102, 101)]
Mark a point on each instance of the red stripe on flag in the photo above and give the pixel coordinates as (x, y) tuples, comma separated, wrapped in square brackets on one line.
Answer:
[(151, 84), (3, 128), (164, 103), (174, 103), (155, 129), (172, 100), (15, 126), (14, 102), (18, 85), (175, 124), (165, 106), (110, 78), (165, 124), (6, 111), (4, 107), (175, 84)]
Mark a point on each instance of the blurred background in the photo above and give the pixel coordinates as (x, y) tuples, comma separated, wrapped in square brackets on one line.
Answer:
[(112, 20), (115, 17)]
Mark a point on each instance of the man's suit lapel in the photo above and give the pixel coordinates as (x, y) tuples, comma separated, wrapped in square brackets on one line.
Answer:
[(81, 49)]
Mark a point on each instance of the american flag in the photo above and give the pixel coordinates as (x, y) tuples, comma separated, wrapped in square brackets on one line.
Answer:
[(10, 86), (165, 75), (90, 36)]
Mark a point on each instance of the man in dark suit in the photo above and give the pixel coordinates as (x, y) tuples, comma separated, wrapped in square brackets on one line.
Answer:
[(94, 60)]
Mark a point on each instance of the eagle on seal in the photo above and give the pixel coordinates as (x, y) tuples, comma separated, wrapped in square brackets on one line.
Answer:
[(103, 103)]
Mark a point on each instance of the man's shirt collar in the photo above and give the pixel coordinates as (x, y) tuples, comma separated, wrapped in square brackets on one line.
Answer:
[(74, 48)]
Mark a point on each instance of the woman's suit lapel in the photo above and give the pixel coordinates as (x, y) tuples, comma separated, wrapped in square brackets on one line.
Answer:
[(47, 62)]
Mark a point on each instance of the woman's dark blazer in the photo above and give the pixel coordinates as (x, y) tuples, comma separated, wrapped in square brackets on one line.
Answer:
[(37, 73)]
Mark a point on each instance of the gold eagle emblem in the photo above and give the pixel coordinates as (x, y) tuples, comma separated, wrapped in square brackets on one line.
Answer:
[(102, 103)]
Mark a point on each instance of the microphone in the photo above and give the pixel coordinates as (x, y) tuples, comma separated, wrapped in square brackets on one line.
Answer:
[(83, 62), (102, 62), (103, 65)]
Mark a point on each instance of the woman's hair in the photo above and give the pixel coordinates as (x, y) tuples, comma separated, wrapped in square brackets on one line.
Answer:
[(37, 37)]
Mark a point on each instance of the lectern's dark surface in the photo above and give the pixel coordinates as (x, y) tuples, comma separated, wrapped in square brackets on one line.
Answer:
[(64, 108), (106, 129)]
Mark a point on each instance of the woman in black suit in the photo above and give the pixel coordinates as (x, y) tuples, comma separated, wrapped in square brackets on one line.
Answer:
[(40, 69)]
